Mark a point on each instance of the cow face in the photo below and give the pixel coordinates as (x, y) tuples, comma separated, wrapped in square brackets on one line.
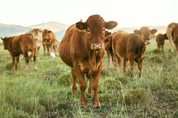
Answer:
[(37, 33), (174, 32), (146, 32), (95, 30), (6, 42), (46, 35)]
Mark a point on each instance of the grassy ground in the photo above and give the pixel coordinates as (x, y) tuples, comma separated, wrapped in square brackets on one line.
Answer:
[(47, 92)]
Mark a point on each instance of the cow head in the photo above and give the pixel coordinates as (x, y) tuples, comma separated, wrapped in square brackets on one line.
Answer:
[(6, 41), (174, 32), (37, 33), (46, 34), (95, 30), (145, 32)]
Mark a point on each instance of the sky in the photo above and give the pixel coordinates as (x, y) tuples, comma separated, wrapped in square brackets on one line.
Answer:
[(128, 13)]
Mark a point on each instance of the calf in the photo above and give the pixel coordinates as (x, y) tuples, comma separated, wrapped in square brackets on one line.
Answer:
[(48, 41), (131, 47), (160, 38), (82, 49), (21, 44)]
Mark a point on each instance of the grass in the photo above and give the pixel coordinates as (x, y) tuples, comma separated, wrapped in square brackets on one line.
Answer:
[(47, 92)]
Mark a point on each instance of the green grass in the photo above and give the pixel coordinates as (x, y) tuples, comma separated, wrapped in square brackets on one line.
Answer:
[(47, 92)]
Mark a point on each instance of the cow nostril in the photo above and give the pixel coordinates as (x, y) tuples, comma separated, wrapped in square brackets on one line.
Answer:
[(97, 46)]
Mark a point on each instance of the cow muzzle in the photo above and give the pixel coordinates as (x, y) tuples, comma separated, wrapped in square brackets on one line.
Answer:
[(147, 42), (37, 38), (97, 46)]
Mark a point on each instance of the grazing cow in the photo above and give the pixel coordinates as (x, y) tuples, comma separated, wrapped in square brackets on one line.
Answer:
[(82, 48), (172, 34), (48, 41), (131, 47), (37, 33), (160, 38), (21, 44)]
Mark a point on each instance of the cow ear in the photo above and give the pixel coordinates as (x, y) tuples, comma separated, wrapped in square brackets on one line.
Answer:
[(137, 32), (81, 25), (2, 38), (153, 31), (49, 31), (110, 24)]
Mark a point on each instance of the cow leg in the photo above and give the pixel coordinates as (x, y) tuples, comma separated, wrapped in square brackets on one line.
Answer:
[(82, 85), (18, 59), (38, 49), (26, 59), (171, 43), (13, 62), (140, 66), (48, 50), (132, 66), (94, 87), (162, 48), (119, 62), (125, 64), (44, 49), (108, 58), (34, 59), (74, 77)]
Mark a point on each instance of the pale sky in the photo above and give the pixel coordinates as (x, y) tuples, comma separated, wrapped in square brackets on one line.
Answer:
[(128, 13)]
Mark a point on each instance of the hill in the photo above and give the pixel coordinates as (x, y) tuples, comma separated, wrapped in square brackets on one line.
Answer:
[(54, 26)]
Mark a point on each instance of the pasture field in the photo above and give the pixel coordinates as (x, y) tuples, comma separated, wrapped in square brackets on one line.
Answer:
[(46, 93)]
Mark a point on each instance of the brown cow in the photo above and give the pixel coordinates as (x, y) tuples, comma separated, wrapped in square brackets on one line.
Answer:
[(82, 48), (160, 38), (131, 47), (21, 44), (48, 41), (37, 33), (108, 47), (172, 34)]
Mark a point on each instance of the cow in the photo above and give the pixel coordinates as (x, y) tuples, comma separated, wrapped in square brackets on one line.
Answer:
[(37, 33), (160, 39), (108, 47), (172, 34), (48, 41), (82, 49), (21, 44), (131, 47)]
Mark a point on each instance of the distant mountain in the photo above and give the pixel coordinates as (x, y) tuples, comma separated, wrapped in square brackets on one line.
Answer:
[(11, 30), (54, 26), (59, 35)]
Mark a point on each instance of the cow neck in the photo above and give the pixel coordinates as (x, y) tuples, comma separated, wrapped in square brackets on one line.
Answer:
[(92, 58)]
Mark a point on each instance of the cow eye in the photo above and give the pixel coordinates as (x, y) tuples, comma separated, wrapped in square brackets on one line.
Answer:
[(88, 30), (104, 30)]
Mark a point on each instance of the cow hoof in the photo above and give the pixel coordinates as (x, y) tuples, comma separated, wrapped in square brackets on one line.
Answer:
[(96, 107), (83, 107)]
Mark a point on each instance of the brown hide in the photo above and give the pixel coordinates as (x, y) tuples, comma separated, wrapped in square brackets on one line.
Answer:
[(56, 47), (108, 46), (21, 44), (160, 38), (48, 41), (37, 33), (82, 48), (169, 35), (174, 34), (131, 47)]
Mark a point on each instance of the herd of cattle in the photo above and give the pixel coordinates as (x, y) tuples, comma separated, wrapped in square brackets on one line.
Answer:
[(83, 46)]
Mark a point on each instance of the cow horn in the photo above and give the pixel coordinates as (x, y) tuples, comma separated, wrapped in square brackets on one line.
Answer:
[(2, 38)]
